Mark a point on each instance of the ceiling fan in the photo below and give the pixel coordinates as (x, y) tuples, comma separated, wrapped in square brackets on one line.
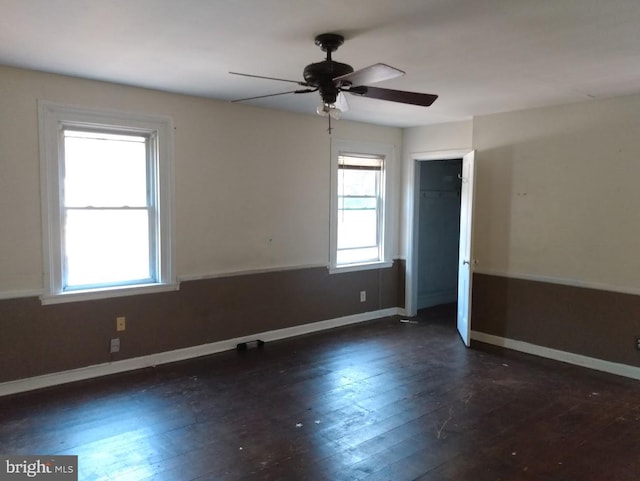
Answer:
[(331, 79)]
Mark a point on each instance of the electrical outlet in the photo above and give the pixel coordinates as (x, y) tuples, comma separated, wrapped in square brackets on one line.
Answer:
[(363, 296), (121, 323), (115, 345)]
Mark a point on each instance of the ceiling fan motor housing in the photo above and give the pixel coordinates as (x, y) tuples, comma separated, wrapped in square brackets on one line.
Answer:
[(321, 75)]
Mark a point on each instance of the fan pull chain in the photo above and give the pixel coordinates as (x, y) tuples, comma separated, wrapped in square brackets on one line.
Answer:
[(341, 172)]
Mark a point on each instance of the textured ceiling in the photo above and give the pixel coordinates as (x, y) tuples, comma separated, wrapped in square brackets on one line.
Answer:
[(479, 56)]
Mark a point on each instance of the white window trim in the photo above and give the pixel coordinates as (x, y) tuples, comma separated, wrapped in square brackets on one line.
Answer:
[(387, 151), (52, 117)]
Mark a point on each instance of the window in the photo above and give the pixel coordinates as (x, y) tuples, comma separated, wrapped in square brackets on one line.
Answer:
[(106, 203), (359, 207)]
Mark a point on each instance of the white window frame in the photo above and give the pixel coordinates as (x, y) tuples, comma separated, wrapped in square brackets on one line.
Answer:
[(53, 119), (347, 147)]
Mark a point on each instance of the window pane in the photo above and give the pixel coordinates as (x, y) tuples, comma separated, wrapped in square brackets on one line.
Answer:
[(106, 246), (358, 232), (104, 171), (354, 256), (357, 228), (357, 212), (357, 203), (358, 182)]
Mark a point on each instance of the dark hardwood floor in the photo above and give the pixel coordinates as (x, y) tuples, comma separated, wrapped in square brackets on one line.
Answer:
[(382, 400)]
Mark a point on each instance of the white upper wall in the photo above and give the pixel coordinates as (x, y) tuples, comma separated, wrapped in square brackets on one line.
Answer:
[(557, 193), (435, 138), (556, 190), (251, 185)]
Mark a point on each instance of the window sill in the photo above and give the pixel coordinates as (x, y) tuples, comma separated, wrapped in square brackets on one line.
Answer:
[(359, 267), (94, 294)]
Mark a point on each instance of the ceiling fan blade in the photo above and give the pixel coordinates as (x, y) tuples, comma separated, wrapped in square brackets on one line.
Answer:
[(304, 84), (303, 91), (373, 73), (413, 98)]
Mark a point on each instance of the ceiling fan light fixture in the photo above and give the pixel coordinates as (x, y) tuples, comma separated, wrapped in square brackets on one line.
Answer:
[(326, 109)]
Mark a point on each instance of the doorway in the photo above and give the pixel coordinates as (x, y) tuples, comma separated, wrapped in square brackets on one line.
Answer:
[(438, 231), (464, 240)]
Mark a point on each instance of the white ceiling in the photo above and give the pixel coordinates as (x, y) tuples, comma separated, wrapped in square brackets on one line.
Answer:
[(479, 56)]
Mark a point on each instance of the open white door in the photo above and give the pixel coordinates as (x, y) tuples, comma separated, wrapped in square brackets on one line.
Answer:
[(465, 266)]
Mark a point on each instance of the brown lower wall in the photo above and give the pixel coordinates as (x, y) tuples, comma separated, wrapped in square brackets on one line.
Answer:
[(39, 339), (590, 322)]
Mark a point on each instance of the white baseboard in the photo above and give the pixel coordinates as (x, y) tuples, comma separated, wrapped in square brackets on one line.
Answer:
[(54, 379), (568, 357)]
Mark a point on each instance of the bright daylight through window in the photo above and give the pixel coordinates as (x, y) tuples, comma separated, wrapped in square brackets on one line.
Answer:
[(107, 208), (359, 214)]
